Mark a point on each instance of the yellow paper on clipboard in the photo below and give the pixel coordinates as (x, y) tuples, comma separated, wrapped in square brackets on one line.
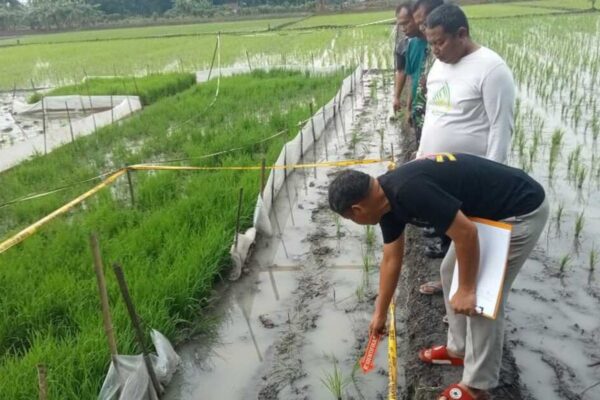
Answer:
[(494, 243)]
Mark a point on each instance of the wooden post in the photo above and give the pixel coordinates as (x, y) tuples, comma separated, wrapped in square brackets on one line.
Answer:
[(106, 318), (70, 123), (212, 63), (248, 59), (136, 327), (44, 125), (87, 86), (314, 146), (112, 111), (285, 182), (239, 215), (42, 382), (262, 176), (130, 183)]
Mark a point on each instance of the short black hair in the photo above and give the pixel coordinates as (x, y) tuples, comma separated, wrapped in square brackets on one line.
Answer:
[(348, 188), (450, 17), (428, 5), (407, 4)]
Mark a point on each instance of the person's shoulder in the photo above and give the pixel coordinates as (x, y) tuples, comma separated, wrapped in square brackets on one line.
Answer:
[(491, 58)]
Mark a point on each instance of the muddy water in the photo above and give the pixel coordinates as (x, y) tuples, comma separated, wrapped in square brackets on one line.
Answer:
[(304, 304), (554, 317)]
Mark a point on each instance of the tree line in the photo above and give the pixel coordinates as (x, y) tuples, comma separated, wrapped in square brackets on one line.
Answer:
[(70, 14)]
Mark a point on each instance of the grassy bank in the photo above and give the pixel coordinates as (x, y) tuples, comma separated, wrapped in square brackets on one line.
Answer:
[(149, 88), (173, 243)]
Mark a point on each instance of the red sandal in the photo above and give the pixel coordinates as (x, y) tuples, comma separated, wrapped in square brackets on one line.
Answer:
[(439, 355), (456, 392)]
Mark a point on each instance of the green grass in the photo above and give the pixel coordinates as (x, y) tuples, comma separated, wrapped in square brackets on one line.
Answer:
[(173, 244), (64, 63), (150, 88), (348, 19), (151, 31)]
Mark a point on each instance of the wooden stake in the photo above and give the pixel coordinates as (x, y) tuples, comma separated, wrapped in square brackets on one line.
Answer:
[(87, 85), (42, 382), (106, 318), (239, 215), (44, 125), (130, 183), (112, 110), (314, 136), (70, 123), (248, 59), (212, 63), (135, 321), (262, 176)]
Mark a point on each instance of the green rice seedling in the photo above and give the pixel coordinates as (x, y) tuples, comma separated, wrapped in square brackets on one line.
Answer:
[(370, 237), (338, 225), (335, 381), (581, 177), (564, 262), (579, 223), (173, 243), (556, 145), (559, 215), (366, 260), (593, 259)]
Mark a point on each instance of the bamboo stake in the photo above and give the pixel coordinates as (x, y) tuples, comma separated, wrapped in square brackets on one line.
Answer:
[(42, 382), (137, 327), (106, 318), (70, 122), (239, 214), (248, 59), (44, 125), (130, 183), (314, 145), (285, 182), (212, 63), (262, 176)]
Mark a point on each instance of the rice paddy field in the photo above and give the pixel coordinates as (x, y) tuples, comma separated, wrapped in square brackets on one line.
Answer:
[(173, 242)]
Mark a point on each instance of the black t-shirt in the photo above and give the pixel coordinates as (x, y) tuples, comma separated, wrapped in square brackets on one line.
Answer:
[(400, 52), (430, 191)]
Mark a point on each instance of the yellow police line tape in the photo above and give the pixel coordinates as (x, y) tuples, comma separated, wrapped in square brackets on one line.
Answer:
[(392, 355), (31, 229)]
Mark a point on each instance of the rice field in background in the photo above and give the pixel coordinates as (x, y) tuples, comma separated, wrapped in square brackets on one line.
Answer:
[(65, 58)]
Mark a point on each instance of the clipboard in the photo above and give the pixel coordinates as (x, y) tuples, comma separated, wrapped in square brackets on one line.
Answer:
[(494, 243)]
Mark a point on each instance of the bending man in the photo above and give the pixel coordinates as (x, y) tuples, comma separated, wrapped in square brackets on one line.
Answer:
[(443, 190)]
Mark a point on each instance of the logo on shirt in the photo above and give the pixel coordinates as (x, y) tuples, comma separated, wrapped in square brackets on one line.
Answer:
[(440, 157), (440, 102)]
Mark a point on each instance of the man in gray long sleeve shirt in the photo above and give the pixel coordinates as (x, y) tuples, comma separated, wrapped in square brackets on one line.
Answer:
[(470, 92)]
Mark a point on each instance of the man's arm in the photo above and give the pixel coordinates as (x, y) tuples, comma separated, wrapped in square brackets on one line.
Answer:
[(399, 83), (498, 92), (464, 234), (389, 272)]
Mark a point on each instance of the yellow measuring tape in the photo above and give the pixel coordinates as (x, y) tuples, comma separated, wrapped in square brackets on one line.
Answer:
[(31, 229), (345, 163), (392, 355)]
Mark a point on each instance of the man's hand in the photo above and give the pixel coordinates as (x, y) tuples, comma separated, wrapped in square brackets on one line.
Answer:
[(398, 104), (377, 325), (464, 302)]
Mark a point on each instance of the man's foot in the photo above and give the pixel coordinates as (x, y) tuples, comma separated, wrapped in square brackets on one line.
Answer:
[(440, 355), (437, 250), (460, 391), (430, 288)]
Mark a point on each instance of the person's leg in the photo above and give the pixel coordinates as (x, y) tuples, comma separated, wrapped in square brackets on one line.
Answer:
[(484, 337), (457, 323)]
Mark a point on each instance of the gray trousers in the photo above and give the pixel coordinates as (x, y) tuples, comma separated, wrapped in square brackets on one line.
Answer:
[(480, 339)]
